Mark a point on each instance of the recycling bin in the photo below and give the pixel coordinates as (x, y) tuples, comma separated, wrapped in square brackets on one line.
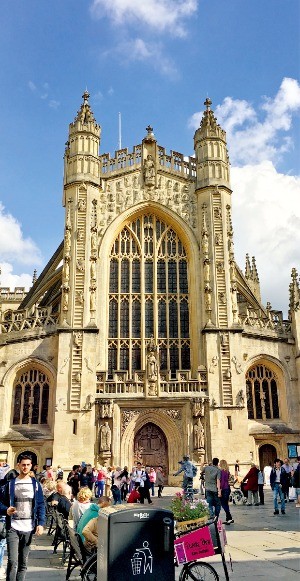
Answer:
[(135, 543)]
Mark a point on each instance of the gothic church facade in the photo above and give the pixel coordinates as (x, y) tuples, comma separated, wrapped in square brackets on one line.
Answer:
[(142, 338)]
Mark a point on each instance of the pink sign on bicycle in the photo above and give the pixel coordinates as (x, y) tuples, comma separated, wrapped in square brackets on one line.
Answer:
[(195, 545)]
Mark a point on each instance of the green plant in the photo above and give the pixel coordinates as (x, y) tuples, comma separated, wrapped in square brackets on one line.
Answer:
[(184, 509)]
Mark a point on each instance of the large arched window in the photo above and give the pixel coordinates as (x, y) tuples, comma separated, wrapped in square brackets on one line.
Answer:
[(148, 295), (262, 393), (31, 398)]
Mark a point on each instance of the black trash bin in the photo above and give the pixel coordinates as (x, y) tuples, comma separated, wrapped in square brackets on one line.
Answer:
[(135, 543)]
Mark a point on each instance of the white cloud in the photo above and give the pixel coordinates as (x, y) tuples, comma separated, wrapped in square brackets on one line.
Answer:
[(159, 15), (32, 86), (13, 245), (266, 223), (53, 104), (138, 49), (10, 280)]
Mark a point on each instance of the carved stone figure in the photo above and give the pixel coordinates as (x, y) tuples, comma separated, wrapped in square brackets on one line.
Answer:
[(80, 297), (207, 297), (81, 205), (80, 264), (94, 241), (206, 270), (92, 299), (152, 367), (198, 407), (93, 270), (105, 438), (198, 435), (238, 366), (106, 409), (240, 398), (67, 242), (66, 271), (214, 363), (65, 300), (79, 235), (149, 171), (205, 243)]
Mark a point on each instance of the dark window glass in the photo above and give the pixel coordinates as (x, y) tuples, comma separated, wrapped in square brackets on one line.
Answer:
[(174, 360), (161, 277), (257, 400), (149, 318), (113, 319), (249, 400), (162, 319), (45, 403), (124, 358), (136, 358), (36, 404), (136, 276), (25, 419), (113, 279), (173, 320), (124, 319), (163, 356), (183, 282), (17, 404), (125, 276), (149, 277), (112, 359), (275, 403), (172, 276), (184, 319), (136, 319), (185, 357), (265, 387)]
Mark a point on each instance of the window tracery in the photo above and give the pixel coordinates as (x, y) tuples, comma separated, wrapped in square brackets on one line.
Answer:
[(262, 393), (31, 398), (148, 295)]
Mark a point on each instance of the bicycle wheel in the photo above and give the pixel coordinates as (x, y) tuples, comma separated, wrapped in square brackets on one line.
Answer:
[(197, 571), (89, 569)]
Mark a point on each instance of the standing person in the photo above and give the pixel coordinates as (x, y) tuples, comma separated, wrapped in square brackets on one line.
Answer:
[(124, 480), (73, 479), (147, 486), (225, 491), (116, 485), (139, 476), (59, 473), (278, 479), (22, 502), (188, 474), (237, 470), (260, 480), (152, 477), (251, 485), (296, 480), (212, 475), (267, 472), (160, 480), (288, 469), (100, 482)]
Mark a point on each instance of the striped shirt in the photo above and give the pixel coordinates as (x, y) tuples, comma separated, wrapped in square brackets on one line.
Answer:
[(22, 519)]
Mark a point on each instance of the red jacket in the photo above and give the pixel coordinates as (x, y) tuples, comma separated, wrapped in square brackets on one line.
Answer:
[(252, 479)]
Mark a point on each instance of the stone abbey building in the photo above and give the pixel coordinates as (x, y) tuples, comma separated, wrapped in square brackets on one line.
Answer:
[(142, 338)]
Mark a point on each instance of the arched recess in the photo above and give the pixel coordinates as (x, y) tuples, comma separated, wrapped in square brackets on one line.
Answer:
[(261, 384), (267, 454), (10, 380), (171, 431), (188, 240)]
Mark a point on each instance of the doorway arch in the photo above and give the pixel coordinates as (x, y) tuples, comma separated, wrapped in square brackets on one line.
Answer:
[(151, 447), (267, 455), (30, 453)]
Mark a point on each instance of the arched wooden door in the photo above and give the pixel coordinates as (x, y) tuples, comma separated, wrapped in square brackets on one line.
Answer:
[(267, 455), (150, 447)]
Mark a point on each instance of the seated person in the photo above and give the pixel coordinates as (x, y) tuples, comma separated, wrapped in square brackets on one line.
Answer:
[(90, 534), (80, 505), (92, 512), (63, 502), (134, 495)]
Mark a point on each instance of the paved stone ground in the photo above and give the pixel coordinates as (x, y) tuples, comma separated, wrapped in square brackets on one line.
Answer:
[(261, 545)]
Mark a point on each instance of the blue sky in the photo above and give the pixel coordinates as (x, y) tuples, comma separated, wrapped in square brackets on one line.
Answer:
[(155, 61)]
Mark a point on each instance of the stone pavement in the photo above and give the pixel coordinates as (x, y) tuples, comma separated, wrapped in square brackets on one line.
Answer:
[(261, 545)]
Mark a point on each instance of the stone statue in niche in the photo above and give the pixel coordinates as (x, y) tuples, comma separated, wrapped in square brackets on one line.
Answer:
[(152, 367), (198, 435), (65, 300), (81, 205), (149, 171), (67, 242), (104, 438), (240, 398)]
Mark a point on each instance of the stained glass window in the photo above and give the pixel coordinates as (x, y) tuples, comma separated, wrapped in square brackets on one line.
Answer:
[(262, 393), (31, 398), (148, 296)]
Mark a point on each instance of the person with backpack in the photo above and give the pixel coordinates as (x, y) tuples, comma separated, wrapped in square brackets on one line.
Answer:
[(189, 472), (212, 475)]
